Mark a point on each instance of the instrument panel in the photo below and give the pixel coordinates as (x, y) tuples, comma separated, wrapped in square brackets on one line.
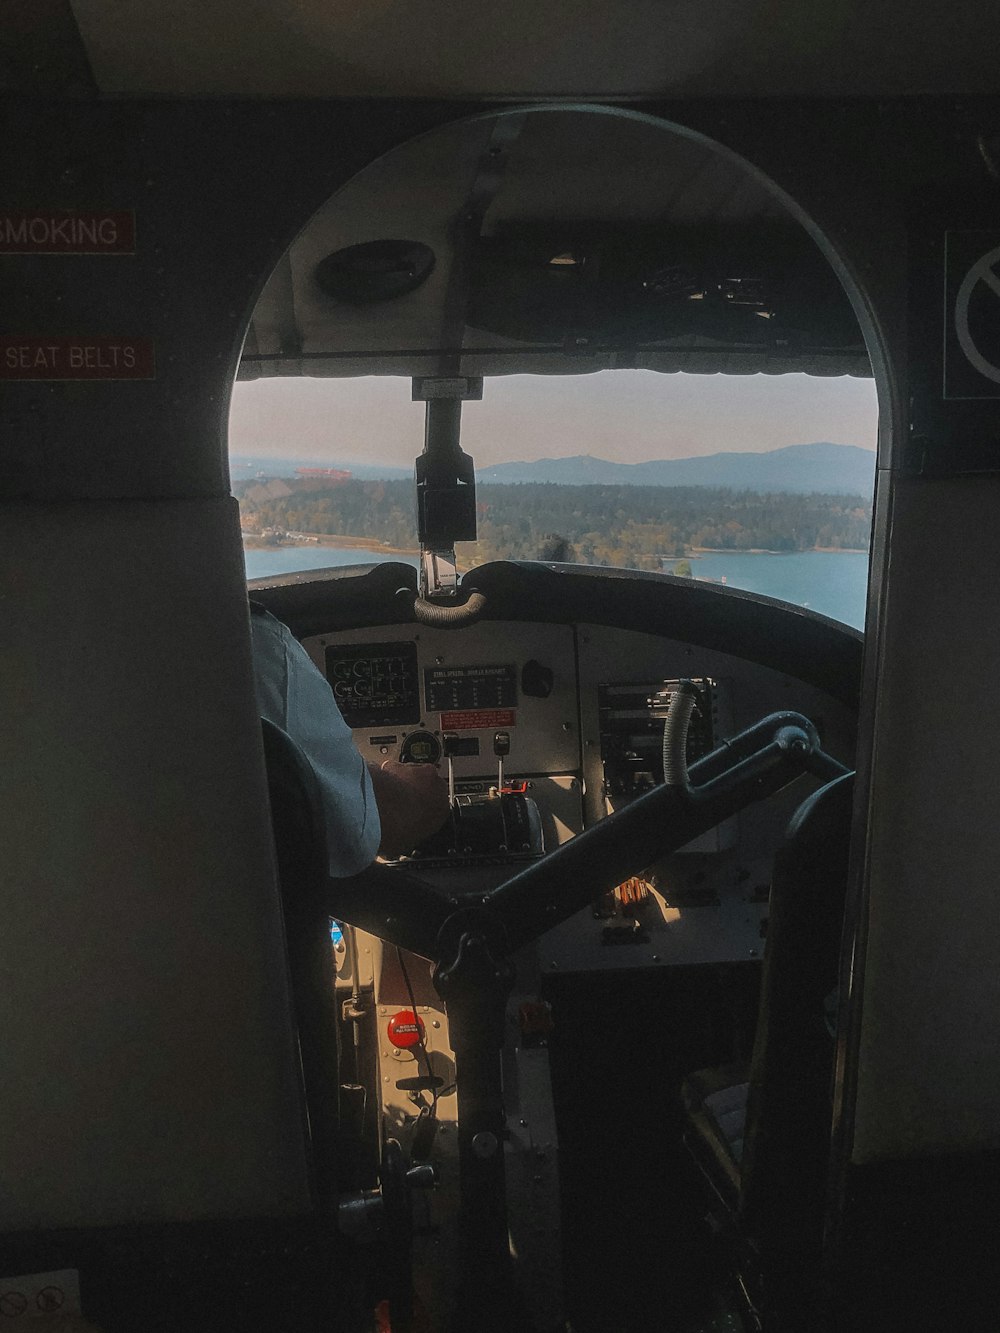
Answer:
[(469, 684), (375, 684), (568, 718)]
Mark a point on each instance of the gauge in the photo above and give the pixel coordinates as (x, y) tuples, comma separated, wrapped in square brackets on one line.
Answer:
[(420, 747), (375, 684)]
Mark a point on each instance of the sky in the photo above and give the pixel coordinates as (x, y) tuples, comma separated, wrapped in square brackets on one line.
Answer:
[(628, 416)]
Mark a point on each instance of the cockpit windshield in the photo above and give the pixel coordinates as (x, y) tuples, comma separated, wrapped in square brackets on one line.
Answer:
[(761, 482)]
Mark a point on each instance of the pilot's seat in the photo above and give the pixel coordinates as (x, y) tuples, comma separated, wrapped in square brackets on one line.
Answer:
[(761, 1134), (303, 879), (307, 894)]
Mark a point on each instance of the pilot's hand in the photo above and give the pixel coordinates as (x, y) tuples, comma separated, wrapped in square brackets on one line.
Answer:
[(412, 804)]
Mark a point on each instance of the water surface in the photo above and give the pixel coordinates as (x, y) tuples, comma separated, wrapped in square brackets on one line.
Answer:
[(266, 561), (832, 582)]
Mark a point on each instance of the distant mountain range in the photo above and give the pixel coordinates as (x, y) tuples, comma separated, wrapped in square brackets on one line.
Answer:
[(823, 468), (828, 469)]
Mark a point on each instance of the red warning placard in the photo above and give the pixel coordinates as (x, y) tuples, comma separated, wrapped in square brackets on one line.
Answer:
[(62, 232), (82, 358), (475, 719)]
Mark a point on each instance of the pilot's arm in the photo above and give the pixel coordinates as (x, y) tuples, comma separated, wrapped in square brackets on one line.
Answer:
[(412, 802), (385, 810)]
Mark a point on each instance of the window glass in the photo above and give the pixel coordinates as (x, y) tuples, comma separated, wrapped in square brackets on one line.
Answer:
[(759, 482)]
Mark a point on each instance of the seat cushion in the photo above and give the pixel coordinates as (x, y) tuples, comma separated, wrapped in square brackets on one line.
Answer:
[(716, 1105)]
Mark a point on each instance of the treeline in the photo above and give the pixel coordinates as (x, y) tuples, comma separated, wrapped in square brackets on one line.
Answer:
[(627, 526)]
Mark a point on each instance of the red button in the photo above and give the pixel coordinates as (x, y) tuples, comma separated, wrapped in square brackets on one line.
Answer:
[(405, 1029)]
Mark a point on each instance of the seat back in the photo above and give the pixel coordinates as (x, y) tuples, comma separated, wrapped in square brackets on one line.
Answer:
[(789, 1106), (304, 878)]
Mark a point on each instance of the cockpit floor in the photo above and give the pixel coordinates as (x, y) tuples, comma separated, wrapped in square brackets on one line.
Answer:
[(638, 1252)]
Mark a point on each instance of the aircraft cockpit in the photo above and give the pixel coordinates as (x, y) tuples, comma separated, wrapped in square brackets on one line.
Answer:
[(560, 700), (548, 714), (687, 1016)]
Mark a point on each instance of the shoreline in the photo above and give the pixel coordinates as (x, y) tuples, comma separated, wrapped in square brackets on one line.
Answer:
[(257, 543), (364, 543), (254, 542), (697, 552)]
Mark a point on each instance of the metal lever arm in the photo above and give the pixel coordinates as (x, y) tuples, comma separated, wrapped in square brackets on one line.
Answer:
[(753, 766)]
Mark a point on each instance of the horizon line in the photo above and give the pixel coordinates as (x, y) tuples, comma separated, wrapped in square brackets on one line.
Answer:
[(559, 458)]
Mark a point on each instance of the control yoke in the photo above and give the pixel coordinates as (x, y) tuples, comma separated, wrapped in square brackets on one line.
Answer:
[(471, 942), (756, 764)]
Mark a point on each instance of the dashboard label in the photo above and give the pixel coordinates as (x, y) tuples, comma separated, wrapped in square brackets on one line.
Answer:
[(463, 687), (477, 719)]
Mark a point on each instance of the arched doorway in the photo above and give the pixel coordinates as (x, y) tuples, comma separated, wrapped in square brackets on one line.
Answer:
[(560, 240)]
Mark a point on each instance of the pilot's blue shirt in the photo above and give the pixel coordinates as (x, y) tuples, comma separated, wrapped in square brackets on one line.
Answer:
[(292, 693)]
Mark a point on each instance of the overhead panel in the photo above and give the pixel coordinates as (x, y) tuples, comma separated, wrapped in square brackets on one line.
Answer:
[(604, 240)]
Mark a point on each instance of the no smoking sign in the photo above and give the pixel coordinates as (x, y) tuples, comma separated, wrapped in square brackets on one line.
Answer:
[(972, 315)]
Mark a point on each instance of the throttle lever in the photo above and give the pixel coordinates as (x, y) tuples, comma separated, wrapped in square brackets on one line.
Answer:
[(501, 748)]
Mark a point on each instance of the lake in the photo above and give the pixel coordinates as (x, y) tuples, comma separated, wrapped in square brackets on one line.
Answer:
[(835, 583), (267, 561), (831, 582)]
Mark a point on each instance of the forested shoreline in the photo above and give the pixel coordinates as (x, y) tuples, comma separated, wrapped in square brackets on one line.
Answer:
[(629, 526)]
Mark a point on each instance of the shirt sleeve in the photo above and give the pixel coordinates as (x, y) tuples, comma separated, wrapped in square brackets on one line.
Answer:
[(292, 693)]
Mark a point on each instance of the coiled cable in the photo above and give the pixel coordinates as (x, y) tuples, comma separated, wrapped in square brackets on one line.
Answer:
[(675, 731)]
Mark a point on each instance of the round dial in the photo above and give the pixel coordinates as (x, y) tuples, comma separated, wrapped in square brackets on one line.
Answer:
[(420, 747)]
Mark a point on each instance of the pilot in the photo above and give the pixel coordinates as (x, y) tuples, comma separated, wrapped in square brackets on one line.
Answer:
[(370, 810)]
